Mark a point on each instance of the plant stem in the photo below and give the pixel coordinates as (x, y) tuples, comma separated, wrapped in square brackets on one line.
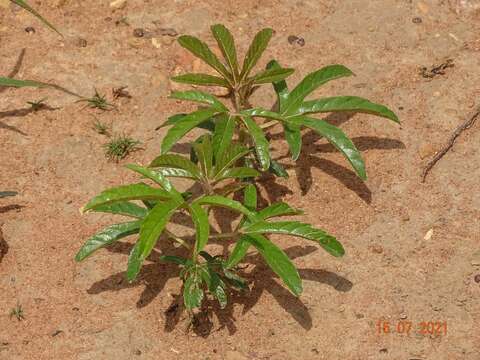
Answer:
[(224, 235), (269, 124), (177, 239)]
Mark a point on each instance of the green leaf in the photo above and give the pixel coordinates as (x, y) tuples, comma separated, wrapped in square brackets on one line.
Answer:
[(156, 177), (201, 97), (9, 82), (201, 79), (123, 208), (278, 209), (174, 259), (106, 237), (202, 226), (204, 154), (280, 87), (226, 43), (174, 161), (258, 46), (27, 7), (238, 253), (237, 173), (207, 125), (293, 135), (234, 279), (151, 228), (173, 172), (215, 285), (202, 51), (278, 262), (259, 112), (260, 142), (126, 193), (229, 157), (223, 134), (277, 169), (192, 292), (338, 139), (310, 83), (250, 197), (182, 127), (346, 103), (271, 75), (220, 201), (296, 228)]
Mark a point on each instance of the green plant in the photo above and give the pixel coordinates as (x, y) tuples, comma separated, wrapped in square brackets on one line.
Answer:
[(101, 128), (36, 105), (97, 101), (223, 164), (119, 147), (17, 312)]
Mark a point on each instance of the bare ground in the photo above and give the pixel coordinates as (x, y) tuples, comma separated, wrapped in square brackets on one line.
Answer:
[(392, 271)]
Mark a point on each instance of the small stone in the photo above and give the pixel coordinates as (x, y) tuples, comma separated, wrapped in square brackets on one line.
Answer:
[(377, 249), (477, 278), (436, 93), (428, 235), (384, 350), (138, 32), (30, 30), (417, 20), (81, 42), (135, 43), (403, 316), (118, 4)]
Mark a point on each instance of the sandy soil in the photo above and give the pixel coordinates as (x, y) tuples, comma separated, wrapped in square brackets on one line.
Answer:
[(392, 271)]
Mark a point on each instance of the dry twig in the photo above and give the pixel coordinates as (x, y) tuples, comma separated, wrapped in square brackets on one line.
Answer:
[(464, 126)]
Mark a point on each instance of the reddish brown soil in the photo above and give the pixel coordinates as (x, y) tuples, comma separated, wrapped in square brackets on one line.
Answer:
[(391, 271)]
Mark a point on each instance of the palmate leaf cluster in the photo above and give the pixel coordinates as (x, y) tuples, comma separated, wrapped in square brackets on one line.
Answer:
[(225, 160)]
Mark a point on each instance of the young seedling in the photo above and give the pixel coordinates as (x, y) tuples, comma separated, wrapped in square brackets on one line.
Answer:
[(101, 128), (36, 105), (225, 160), (17, 312), (97, 101), (119, 147)]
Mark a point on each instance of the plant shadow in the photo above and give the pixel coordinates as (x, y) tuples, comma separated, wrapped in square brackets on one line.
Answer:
[(154, 275)]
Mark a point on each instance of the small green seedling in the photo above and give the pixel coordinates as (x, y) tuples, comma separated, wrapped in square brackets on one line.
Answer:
[(101, 128), (17, 312), (97, 101), (119, 147), (36, 105), (223, 165)]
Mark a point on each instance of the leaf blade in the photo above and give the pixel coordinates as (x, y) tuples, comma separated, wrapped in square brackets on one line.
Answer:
[(107, 236), (346, 103), (296, 228), (201, 79), (182, 127), (260, 142), (255, 51), (278, 262), (199, 96), (226, 43), (310, 83)]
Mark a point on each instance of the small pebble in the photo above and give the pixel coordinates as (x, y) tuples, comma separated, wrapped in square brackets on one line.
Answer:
[(292, 39), (30, 30), (82, 42), (139, 32), (417, 20), (477, 278)]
